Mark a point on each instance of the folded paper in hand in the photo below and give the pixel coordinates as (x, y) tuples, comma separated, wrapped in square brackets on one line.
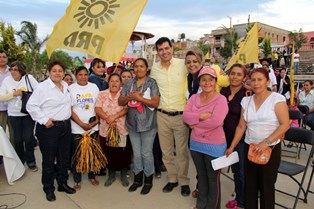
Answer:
[(224, 161)]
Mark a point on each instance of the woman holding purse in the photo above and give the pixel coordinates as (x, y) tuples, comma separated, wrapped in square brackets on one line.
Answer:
[(22, 124), (265, 118)]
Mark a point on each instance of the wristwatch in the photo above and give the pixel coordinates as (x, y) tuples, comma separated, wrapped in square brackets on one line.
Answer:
[(268, 142)]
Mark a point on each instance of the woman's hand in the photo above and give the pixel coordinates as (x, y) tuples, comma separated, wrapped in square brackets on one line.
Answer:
[(85, 126), (113, 124), (229, 151), (205, 116), (49, 123), (261, 146), (18, 93), (135, 95), (111, 118)]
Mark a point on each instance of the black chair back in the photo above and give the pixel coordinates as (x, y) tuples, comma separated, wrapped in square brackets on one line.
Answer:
[(295, 115), (300, 135), (304, 109)]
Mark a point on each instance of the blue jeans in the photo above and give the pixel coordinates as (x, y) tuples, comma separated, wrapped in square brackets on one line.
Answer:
[(296, 68), (238, 175), (23, 138), (142, 144)]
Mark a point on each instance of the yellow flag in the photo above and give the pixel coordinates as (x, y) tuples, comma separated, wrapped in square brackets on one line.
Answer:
[(99, 28), (207, 57), (248, 49)]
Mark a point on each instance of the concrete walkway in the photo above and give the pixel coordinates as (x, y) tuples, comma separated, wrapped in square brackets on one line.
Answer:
[(28, 192)]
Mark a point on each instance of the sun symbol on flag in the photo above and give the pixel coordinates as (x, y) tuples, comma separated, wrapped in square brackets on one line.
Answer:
[(93, 12)]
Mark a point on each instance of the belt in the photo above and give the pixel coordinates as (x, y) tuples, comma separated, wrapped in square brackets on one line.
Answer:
[(171, 113), (60, 121)]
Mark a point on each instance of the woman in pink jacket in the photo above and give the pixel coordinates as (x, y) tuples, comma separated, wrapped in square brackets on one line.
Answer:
[(205, 113)]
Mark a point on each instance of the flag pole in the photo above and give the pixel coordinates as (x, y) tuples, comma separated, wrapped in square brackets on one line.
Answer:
[(292, 93)]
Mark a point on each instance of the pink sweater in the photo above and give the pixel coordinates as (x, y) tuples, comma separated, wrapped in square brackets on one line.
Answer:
[(209, 131)]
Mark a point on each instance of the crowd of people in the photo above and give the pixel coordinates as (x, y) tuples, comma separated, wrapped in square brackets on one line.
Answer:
[(181, 108)]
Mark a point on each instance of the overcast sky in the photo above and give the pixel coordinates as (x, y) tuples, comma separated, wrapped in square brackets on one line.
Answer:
[(171, 17)]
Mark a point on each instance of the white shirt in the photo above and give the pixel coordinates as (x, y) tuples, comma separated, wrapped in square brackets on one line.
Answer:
[(262, 123), (83, 104), (272, 78), (48, 101), (10, 85), (296, 57), (307, 100)]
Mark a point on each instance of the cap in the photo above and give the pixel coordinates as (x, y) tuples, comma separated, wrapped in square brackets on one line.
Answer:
[(206, 70)]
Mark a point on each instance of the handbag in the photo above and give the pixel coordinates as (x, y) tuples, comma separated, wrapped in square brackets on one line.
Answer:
[(26, 95), (260, 158)]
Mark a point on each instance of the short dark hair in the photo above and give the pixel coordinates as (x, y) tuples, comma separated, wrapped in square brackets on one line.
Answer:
[(281, 69), (20, 66), (142, 59), (309, 81), (55, 62), (2, 51), (240, 66), (161, 41), (114, 74), (80, 68)]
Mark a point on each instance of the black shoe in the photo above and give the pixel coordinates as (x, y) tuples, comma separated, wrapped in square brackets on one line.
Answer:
[(169, 187), (148, 184), (102, 172), (185, 190), (50, 196), (65, 188), (33, 168)]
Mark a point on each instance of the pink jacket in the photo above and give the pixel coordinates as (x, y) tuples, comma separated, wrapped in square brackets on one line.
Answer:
[(209, 131)]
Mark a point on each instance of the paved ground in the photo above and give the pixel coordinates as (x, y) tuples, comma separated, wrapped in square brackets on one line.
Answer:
[(28, 192)]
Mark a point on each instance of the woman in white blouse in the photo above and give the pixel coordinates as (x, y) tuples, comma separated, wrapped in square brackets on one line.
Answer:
[(50, 107), (265, 118), (22, 124)]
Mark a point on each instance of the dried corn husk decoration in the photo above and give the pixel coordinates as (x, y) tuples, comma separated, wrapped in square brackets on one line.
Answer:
[(112, 139), (88, 156)]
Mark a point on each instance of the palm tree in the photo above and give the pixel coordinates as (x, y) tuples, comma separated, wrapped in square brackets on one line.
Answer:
[(29, 36)]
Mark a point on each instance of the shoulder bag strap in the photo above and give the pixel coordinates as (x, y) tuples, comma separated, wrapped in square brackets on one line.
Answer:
[(28, 82)]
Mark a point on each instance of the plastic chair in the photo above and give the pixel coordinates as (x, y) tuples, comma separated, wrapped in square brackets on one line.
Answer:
[(291, 169)]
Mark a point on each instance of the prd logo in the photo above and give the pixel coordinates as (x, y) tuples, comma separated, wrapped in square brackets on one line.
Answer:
[(93, 12)]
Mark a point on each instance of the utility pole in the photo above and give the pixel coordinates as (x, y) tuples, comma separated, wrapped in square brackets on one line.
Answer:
[(230, 18)]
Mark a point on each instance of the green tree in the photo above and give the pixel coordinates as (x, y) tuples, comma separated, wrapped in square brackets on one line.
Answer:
[(203, 46), (43, 61), (231, 42), (63, 56), (29, 36), (266, 47), (298, 37), (8, 43)]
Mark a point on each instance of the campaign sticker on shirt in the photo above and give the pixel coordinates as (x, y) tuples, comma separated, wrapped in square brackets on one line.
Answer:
[(84, 100)]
